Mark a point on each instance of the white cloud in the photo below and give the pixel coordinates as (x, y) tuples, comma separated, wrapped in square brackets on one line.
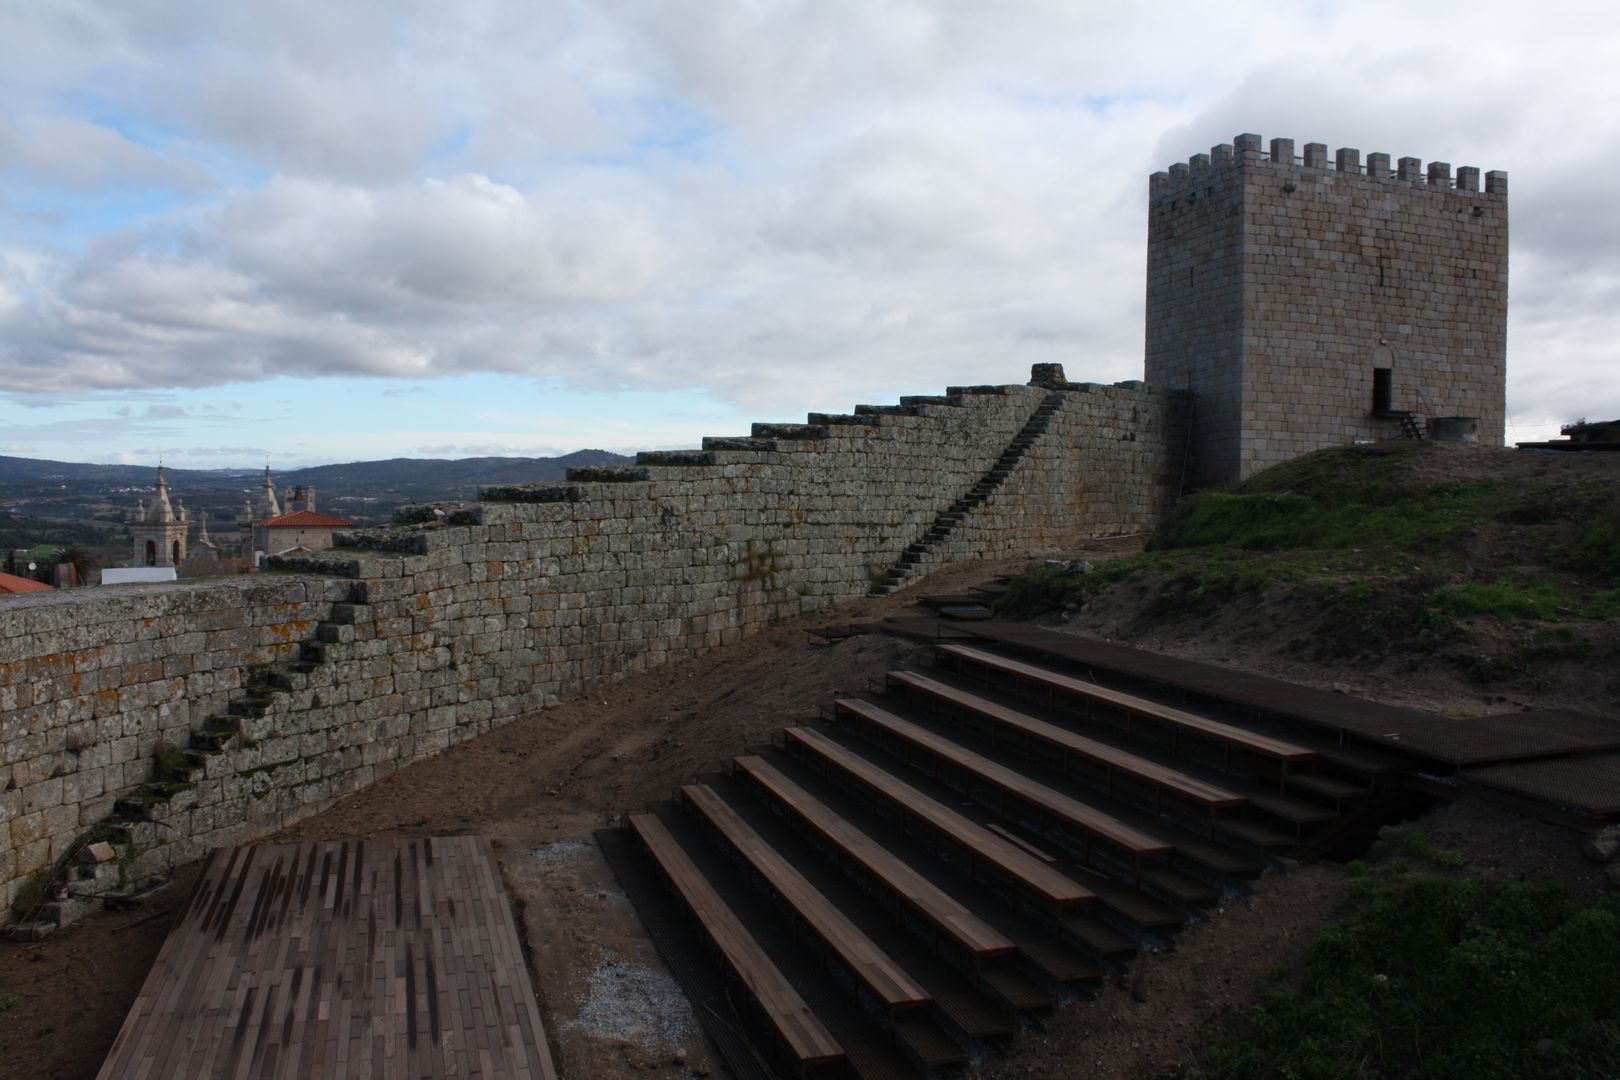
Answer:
[(790, 204)]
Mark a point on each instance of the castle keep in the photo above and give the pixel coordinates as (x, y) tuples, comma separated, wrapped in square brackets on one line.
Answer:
[(1303, 304), (1313, 301)]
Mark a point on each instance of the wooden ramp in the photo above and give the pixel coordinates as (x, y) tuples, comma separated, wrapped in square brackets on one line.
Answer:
[(370, 958)]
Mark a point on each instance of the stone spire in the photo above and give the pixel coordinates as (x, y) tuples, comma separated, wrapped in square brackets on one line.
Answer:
[(158, 533), (268, 506), (161, 512)]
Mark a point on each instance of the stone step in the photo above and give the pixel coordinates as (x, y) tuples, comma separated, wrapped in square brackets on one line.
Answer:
[(290, 678), (789, 431), (530, 493), (738, 442), (675, 457), (334, 633), (254, 706), (821, 419), (351, 613), (608, 474)]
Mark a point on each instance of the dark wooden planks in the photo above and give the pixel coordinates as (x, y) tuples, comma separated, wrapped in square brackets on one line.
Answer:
[(886, 979), (1205, 795), (1263, 745), (806, 1037), (1012, 860), (932, 903), (1090, 821), (380, 957)]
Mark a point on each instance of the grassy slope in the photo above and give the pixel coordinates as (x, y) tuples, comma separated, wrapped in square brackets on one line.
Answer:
[(1433, 974), (1507, 566)]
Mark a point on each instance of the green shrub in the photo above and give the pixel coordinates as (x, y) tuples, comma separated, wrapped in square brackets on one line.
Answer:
[(1599, 552), (1435, 978)]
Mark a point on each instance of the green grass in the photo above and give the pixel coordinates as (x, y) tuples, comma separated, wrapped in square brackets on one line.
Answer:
[(1430, 975), (1343, 498), (1599, 550), (1504, 599)]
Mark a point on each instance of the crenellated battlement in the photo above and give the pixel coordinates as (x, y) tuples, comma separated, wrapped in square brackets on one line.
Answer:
[(1247, 151), (1312, 296)]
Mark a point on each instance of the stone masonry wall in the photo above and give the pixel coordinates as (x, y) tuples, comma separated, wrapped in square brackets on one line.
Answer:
[(1194, 336), (1322, 270), (296, 687)]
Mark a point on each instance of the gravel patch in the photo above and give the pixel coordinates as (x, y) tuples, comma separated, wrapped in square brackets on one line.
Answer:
[(563, 851), (635, 1003)]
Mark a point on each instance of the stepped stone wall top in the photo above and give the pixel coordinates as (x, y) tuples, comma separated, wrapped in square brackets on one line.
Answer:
[(288, 689)]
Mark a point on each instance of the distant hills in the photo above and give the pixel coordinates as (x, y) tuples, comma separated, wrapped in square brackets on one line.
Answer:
[(34, 493), (460, 474)]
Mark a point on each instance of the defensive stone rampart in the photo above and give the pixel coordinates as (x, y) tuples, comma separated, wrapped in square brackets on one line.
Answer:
[(1312, 301), (284, 691)]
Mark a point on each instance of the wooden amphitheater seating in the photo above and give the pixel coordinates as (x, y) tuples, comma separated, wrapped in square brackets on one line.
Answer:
[(1092, 824), (803, 1035), (1133, 708), (976, 938), (868, 963), (1206, 797), (1018, 864)]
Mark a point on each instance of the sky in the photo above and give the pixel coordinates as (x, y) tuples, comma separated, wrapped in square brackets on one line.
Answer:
[(308, 231)]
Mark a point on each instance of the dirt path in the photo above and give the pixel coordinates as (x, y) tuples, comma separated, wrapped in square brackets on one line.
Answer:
[(540, 786)]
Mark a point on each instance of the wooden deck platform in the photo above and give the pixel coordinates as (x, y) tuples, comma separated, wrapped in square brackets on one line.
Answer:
[(368, 958)]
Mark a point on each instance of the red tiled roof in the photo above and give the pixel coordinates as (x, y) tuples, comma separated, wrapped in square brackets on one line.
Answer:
[(10, 583), (303, 519)]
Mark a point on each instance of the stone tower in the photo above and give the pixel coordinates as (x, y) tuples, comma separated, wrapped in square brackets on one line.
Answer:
[(1309, 302), (159, 530)]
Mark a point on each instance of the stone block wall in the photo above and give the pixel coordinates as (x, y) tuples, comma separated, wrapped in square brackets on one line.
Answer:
[(341, 666), (1277, 285)]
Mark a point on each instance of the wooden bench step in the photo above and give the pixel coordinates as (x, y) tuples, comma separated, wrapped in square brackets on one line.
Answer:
[(1037, 946), (1099, 937), (1129, 704), (1018, 864), (1255, 834), (1292, 810), (1181, 888), (931, 903), (1130, 904), (1059, 962), (799, 1028), (1019, 991), (929, 1045), (970, 1011), (1326, 787), (1367, 760), (1134, 843), (1208, 797), (889, 983)]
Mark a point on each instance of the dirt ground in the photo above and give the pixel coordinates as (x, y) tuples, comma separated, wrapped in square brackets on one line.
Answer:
[(540, 786)]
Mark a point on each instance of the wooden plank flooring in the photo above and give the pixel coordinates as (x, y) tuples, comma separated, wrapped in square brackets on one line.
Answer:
[(386, 957)]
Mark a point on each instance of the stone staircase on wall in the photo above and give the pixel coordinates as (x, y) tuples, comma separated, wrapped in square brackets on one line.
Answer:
[(109, 866), (911, 561), (905, 883)]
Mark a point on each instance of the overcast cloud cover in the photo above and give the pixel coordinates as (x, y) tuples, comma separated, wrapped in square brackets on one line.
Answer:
[(316, 230)]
